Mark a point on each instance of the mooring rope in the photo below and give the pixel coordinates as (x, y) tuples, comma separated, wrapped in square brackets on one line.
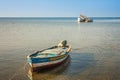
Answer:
[(16, 73)]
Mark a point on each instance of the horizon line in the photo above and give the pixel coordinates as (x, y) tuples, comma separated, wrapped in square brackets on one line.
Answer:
[(49, 16)]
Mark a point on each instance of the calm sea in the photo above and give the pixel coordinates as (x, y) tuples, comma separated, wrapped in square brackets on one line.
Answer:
[(95, 51)]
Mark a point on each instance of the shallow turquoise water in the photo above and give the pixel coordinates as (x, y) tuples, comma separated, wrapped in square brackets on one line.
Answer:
[(95, 47)]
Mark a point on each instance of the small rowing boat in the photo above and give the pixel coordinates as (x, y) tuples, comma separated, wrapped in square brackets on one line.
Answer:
[(49, 57)]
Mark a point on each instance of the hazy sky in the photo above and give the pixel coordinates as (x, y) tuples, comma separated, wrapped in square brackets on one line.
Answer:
[(59, 8)]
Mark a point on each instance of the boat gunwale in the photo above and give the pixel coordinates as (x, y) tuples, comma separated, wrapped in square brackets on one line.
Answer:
[(31, 55)]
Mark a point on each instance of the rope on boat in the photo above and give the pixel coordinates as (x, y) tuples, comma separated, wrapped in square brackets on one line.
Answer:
[(16, 73)]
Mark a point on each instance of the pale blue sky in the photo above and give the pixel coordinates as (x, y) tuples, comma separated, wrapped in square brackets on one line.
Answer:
[(59, 8)]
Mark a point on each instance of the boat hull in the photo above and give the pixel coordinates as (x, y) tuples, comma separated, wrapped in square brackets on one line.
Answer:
[(48, 65), (47, 62)]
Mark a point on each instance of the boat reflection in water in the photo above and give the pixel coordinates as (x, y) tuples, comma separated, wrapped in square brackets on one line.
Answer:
[(50, 73)]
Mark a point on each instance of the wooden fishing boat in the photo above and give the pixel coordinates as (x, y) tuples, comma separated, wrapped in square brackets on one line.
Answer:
[(59, 69), (49, 57)]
